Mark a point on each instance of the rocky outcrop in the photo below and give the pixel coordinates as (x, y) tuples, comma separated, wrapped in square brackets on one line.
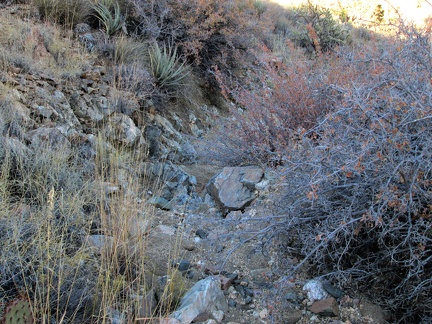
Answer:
[(176, 187), (234, 188)]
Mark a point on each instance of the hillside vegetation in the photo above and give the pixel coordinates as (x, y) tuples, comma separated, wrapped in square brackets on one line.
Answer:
[(340, 111)]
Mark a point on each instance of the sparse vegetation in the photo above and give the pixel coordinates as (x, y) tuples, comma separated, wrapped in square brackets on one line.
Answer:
[(67, 13), (340, 113)]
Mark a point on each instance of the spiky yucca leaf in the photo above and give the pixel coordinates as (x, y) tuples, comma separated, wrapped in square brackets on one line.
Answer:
[(166, 66), (112, 22)]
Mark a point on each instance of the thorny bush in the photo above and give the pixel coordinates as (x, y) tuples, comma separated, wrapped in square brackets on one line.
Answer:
[(364, 218)]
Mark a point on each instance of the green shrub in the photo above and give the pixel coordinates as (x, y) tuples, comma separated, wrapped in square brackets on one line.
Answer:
[(319, 31), (166, 67)]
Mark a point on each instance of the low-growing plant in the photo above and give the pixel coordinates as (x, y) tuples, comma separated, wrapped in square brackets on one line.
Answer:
[(167, 68), (129, 51)]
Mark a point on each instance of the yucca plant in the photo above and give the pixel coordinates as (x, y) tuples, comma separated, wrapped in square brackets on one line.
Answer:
[(112, 20), (166, 67)]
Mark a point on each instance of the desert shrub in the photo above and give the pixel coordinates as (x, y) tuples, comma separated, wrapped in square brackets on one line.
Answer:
[(134, 78), (357, 200), (67, 13), (270, 108), (319, 30), (149, 18), (206, 32)]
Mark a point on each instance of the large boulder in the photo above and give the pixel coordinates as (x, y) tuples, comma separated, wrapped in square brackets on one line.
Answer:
[(204, 298), (234, 188)]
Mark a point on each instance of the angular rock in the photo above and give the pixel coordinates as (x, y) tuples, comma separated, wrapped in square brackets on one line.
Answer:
[(56, 100), (161, 203), (233, 188), (374, 312), (159, 245), (139, 227), (120, 129), (83, 110), (93, 75), (177, 188), (204, 297), (291, 316), (333, 290), (325, 307), (50, 138)]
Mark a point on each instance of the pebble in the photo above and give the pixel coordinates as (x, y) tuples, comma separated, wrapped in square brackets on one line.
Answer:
[(264, 313), (201, 233)]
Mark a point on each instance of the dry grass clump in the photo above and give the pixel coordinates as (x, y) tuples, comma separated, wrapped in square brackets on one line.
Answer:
[(66, 13), (36, 47), (71, 240)]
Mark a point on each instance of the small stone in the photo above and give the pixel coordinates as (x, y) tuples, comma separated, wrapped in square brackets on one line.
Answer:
[(248, 300), (346, 301), (218, 315), (249, 292), (182, 265), (315, 290), (241, 291), (190, 274), (291, 296), (264, 313), (326, 307), (100, 243), (201, 234), (93, 75), (333, 290), (164, 230)]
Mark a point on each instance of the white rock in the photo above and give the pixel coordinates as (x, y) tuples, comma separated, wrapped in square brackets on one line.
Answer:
[(315, 290)]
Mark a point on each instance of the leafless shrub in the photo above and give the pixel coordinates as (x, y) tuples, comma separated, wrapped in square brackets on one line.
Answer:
[(358, 200)]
